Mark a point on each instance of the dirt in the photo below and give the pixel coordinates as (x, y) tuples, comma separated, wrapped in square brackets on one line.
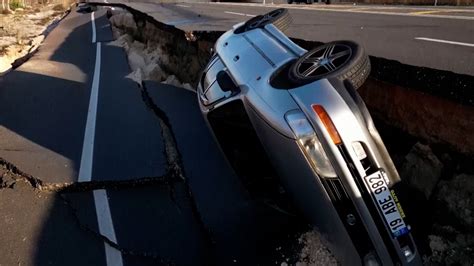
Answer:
[(437, 194), (20, 30), (164, 52), (145, 60), (314, 251)]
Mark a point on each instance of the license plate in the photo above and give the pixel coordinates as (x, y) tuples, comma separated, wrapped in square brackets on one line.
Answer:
[(386, 203)]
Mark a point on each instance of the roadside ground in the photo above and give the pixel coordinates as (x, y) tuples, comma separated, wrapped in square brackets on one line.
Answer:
[(23, 30)]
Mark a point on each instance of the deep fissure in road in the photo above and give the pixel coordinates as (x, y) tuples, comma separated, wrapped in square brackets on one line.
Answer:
[(17, 175), (175, 164)]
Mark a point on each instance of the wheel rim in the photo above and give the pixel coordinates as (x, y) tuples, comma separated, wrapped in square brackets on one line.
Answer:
[(323, 60), (263, 20)]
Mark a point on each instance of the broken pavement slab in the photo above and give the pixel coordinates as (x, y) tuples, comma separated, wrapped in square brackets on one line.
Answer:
[(39, 228), (42, 104), (243, 229), (154, 223), (126, 123), (46, 103)]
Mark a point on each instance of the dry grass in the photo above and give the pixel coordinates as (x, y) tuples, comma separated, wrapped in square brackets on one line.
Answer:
[(3, 50), (14, 4), (59, 7), (19, 36)]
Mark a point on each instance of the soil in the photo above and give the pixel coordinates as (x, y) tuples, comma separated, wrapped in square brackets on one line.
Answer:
[(19, 30)]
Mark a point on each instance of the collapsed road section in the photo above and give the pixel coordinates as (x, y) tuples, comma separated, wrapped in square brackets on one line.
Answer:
[(408, 102)]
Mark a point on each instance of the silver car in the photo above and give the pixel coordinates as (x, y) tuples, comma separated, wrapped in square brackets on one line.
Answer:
[(303, 109)]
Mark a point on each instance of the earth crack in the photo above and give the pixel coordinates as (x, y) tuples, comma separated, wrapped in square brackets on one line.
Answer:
[(40, 185), (175, 165), (172, 154), (130, 252)]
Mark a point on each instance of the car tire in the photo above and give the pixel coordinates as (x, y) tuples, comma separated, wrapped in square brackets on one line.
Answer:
[(309, 2), (344, 60), (280, 18), (289, 2)]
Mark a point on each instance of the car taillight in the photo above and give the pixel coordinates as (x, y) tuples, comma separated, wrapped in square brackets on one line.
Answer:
[(310, 143)]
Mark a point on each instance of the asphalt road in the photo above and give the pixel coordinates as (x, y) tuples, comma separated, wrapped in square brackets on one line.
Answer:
[(435, 37), (70, 118)]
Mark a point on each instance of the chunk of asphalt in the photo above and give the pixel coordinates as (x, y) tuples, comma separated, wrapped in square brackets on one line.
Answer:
[(135, 221), (243, 230), (160, 221), (38, 228), (44, 137), (128, 142), (102, 25)]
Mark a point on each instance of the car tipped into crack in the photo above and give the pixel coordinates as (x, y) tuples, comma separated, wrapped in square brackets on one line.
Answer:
[(299, 112)]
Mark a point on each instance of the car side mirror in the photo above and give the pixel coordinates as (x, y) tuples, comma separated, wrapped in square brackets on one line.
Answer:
[(225, 82)]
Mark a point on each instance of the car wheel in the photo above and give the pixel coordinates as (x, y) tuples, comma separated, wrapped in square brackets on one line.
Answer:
[(309, 2), (290, 2), (280, 18), (344, 60)]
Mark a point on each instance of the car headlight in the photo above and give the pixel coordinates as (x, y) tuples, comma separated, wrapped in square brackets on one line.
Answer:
[(310, 143)]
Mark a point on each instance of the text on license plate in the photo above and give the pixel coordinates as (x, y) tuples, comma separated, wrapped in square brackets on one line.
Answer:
[(386, 203)]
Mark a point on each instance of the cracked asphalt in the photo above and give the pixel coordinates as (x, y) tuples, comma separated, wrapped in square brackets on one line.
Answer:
[(158, 190)]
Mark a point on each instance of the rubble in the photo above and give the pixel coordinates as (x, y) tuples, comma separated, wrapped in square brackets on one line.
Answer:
[(422, 169), (450, 247), (458, 195), (314, 251), (166, 51), (145, 60), (450, 195)]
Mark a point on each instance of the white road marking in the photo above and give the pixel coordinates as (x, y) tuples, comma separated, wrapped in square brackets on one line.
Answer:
[(111, 7), (93, 28), (106, 227), (445, 41), (182, 5), (104, 218), (239, 14), (85, 169), (184, 21), (348, 10)]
